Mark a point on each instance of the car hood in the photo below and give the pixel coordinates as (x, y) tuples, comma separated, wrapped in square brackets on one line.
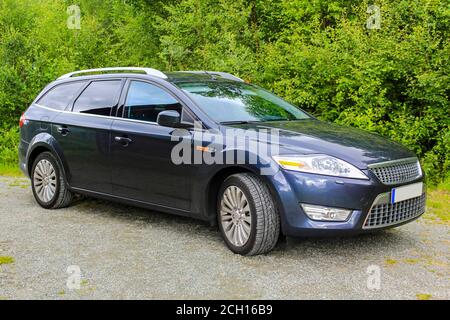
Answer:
[(355, 146)]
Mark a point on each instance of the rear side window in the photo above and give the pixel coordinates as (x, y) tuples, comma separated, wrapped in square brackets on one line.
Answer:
[(145, 101), (98, 98), (59, 97)]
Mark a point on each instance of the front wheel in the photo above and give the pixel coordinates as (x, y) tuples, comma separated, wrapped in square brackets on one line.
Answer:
[(247, 215)]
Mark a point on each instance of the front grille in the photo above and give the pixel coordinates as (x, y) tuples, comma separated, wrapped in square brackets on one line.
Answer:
[(386, 214), (397, 172)]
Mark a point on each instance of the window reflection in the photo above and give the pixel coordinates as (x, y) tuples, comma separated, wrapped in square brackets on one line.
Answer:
[(145, 101), (98, 98)]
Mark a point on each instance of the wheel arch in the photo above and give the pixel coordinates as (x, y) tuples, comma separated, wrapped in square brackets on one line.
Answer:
[(44, 142), (216, 181)]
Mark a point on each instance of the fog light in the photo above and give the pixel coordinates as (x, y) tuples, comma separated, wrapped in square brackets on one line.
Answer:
[(325, 213)]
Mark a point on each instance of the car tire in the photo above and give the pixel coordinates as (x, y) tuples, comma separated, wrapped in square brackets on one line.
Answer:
[(48, 183), (247, 215)]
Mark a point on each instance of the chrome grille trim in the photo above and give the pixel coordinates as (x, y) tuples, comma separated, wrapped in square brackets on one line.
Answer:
[(384, 214), (397, 171)]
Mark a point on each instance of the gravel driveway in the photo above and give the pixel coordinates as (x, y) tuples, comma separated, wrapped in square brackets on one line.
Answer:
[(128, 253)]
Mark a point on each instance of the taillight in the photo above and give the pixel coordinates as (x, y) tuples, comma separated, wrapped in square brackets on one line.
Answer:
[(22, 120)]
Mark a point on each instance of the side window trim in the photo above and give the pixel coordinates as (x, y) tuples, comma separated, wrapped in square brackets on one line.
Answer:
[(123, 83), (120, 98), (125, 96)]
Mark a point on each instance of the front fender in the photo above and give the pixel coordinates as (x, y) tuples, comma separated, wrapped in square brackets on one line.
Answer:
[(208, 175)]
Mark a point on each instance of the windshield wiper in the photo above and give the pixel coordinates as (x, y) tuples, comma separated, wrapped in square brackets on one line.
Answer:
[(239, 122)]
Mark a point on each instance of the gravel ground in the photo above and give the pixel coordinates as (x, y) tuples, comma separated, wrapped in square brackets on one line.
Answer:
[(129, 253)]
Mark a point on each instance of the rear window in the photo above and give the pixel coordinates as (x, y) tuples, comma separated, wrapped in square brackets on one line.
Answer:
[(59, 97), (98, 98)]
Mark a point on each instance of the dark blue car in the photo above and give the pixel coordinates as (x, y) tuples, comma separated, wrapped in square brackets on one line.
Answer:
[(210, 146)]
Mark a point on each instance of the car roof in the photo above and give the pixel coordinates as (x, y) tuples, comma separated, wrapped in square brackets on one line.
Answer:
[(173, 77)]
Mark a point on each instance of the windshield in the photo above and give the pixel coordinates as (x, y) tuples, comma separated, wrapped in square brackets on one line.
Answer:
[(240, 102)]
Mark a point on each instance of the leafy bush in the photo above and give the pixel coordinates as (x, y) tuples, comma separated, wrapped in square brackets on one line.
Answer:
[(9, 140), (318, 54)]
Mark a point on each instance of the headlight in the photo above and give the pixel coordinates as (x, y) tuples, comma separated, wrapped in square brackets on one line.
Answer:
[(320, 164)]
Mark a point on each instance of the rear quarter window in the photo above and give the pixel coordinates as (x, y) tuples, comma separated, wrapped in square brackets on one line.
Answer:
[(59, 97)]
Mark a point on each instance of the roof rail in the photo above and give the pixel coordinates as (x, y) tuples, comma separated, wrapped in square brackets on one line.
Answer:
[(224, 75), (149, 71)]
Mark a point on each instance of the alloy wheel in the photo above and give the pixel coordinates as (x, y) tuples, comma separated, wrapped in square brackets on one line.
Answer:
[(235, 216), (44, 180)]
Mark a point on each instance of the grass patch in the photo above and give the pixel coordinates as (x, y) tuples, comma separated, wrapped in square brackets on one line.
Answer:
[(438, 203), (423, 296), (411, 261), (19, 183), (10, 170), (6, 260), (445, 185), (390, 262)]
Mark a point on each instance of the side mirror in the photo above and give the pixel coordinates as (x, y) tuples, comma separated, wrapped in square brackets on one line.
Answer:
[(169, 118)]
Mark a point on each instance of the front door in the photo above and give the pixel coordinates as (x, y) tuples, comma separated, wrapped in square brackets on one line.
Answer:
[(142, 168)]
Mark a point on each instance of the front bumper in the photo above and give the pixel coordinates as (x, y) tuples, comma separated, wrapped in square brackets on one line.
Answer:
[(292, 188)]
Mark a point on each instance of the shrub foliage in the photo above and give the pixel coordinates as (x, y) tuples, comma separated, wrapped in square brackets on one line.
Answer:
[(320, 55)]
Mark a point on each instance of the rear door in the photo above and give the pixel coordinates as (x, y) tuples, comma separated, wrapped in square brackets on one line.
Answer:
[(84, 134), (142, 166)]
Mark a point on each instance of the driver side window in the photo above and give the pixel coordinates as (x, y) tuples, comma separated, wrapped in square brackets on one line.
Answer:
[(145, 101)]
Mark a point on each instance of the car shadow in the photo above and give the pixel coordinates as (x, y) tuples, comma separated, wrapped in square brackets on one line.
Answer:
[(133, 214), (389, 241), (397, 240)]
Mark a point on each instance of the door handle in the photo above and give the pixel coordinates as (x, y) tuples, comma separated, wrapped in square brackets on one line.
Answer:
[(124, 141), (63, 130)]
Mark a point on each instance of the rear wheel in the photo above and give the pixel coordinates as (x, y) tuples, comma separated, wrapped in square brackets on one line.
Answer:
[(247, 216), (48, 184)]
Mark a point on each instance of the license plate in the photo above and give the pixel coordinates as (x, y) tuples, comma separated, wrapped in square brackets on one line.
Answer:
[(406, 192)]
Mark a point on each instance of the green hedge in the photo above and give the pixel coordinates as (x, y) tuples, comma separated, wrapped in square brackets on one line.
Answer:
[(318, 54), (8, 146)]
